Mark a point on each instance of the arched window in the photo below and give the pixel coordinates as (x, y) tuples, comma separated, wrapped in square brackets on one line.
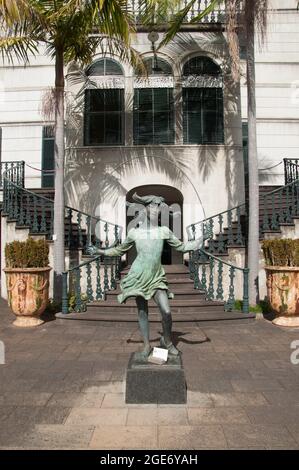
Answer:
[(157, 66), (153, 108), (104, 105), (104, 67), (202, 102)]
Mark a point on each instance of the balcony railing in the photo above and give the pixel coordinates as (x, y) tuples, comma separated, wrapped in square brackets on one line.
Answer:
[(218, 15)]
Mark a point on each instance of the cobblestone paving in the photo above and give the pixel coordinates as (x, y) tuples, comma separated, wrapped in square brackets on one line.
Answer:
[(62, 387)]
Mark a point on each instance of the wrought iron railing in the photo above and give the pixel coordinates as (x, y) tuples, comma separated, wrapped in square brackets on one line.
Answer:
[(36, 212), (226, 228), (17, 172), (279, 207), (219, 279), (291, 170), (88, 282)]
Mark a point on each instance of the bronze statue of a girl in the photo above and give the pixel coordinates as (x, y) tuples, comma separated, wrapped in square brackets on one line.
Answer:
[(146, 278)]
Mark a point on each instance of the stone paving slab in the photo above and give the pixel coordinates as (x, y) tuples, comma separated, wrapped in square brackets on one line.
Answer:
[(62, 387)]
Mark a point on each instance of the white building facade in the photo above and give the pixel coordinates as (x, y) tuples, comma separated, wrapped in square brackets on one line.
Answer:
[(179, 132)]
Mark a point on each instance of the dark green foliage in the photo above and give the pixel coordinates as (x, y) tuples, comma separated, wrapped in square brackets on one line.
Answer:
[(281, 252), (262, 307), (28, 254), (53, 307), (73, 301)]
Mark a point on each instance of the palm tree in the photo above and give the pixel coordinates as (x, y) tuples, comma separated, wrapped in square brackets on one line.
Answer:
[(64, 27), (251, 17)]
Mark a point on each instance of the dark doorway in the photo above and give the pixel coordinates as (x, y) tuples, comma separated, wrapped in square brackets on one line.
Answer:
[(174, 198)]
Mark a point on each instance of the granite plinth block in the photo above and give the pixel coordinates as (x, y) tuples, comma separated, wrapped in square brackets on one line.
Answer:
[(151, 383)]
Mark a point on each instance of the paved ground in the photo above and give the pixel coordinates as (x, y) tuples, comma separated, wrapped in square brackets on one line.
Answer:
[(62, 387)]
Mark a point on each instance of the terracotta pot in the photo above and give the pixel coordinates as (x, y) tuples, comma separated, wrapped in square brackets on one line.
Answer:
[(283, 289), (27, 293)]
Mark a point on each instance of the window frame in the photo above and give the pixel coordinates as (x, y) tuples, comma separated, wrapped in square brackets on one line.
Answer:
[(47, 137), (170, 121), (211, 79), (88, 114), (155, 81)]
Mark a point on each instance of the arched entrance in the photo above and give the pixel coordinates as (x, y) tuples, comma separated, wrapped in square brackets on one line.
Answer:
[(174, 199)]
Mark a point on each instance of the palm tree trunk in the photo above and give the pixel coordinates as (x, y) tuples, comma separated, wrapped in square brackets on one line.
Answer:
[(59, 254), (253, 226)]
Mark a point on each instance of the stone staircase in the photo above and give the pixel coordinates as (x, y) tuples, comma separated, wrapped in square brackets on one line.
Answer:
[(44, 216), (223, 238), (188, 304), (30, 212)]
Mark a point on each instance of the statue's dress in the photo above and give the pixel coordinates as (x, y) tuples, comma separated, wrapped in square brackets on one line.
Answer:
[(147, 274)]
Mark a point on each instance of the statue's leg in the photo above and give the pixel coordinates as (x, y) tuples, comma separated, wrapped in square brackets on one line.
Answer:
[(142, 307), (162, 301)]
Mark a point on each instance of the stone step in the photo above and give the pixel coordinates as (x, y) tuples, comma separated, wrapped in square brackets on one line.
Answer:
[(168, 268), (202, 316), (179, 294), (177, 306), (172, 272), (268, 189), (45, 192)]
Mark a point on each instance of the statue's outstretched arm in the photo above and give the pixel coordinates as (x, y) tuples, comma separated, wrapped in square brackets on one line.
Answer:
[(113, 251), (191, 245)]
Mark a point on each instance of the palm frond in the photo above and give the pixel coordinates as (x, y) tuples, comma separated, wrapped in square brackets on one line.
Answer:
[(179, 18), (155, 12), (17, 47), (14, 10)]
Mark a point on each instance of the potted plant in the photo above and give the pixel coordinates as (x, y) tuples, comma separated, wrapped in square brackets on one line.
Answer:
[(27, 279), (282, 271)]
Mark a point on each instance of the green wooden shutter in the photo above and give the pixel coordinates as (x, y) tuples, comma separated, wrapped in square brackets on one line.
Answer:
[(163, 116), (153, 116), (104, 111), (192, 116), (212, 115), (143, 116), (48, 157), (203, 115)]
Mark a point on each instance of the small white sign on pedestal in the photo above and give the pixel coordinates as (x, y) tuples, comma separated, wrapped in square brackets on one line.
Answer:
[(158, 356)]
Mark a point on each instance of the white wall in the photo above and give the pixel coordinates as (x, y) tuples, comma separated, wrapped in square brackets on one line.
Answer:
[(277, 78), (210, 177), (21, 93), (277, 70)]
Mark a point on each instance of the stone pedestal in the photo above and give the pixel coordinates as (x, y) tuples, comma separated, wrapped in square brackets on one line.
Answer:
[(151, 383)]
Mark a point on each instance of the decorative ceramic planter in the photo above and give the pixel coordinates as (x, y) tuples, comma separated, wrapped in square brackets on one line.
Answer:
[(283, 291), (27, 293)]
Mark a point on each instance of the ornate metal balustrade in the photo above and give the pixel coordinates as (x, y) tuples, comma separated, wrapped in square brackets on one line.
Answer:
[(89, 281), (279, 207), (219, 279), (291, 170), (217, 15), (36, 212), (17, 172), (226, 228)]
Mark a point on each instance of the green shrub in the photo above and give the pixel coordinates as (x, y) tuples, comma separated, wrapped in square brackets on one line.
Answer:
[(53, 306), (281, 252), (262, 307), (28, 254), (72, 302)]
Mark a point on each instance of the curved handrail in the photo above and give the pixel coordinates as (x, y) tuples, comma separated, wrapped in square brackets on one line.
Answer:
[(216, 258), (12, 208), (279, 206), (214, 216), (227, 226), (207, 272)]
